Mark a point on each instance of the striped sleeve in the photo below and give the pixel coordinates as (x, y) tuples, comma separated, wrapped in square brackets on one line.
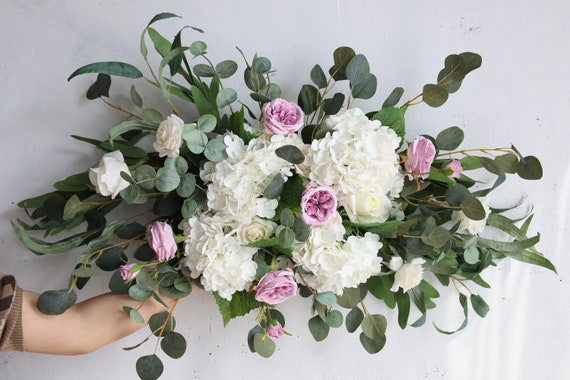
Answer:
[(11, 334)]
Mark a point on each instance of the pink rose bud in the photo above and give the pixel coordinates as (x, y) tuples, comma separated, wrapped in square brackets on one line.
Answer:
[(456, 168), (275, 331), (161, 239), (319, 205), (127, 273), (276, 287), (420, 157), (282, 117)]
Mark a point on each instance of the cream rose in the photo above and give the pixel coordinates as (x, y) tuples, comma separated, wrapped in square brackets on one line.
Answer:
[(257, 229), (107, 176), (169, 137), (408, 275), (367, 207)]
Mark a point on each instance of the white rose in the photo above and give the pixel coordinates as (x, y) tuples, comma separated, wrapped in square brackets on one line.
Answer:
[(407, 276), (107, 176), (471, 226), (169, 137), (256, 230), (367, 207)]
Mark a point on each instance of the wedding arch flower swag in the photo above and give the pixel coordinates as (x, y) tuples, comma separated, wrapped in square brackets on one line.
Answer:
[(262, 199)]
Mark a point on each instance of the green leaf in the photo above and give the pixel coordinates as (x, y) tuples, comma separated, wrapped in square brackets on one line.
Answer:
[(135, 97), (384, 230), (374, 326), (370, 345), (350, 298), (55, 302), (167, 179), (354, 319), (318, 328), (380, 286), (198, 48), (479, 305), (309, 98), (341, 56), (117, 284), (530, 168), (149, 367), (290, 153), (204, 71), (111, 259), (242, 303), (434, 95), (334, 319), (301, 229), (366, 88), (140, 292), (450, 138), (152, 115), (225, 97), (471, 255), (473, 208), (326, 298), (403, 302), (333, 105), (393, 98), (318, 76), (257, 329), (40, 247), (226, 69), (133, 125), (508, 162), (188, 208), (100, 87), (187, 185), (173, 345), (274, 188), (261, 65), (471, 61), (456, 194), (74, 183), (436, 236), (161, 44), (263, 345), (120, 69), (162, 323)]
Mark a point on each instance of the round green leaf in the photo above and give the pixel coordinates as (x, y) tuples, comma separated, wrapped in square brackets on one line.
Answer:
[(365, 89), (140, 293), (197, 48), (318, 76), (350, 298), (479, 305), (257, 329), (149, 367), (434, 95), (290, 153), (275, 187), (117, 284), (100, 87), (207, 123), (372, 346), (261, 65), (255, 82), (111, 259), (263, 345), (226, 97), (226, 69), (204, 71), (309, 98), (215, 150), (326, 298), (271, 93), (334, 319), (301, 230), (188, 208), (196, 140), (508, 162), (473, 208), (341, 56), (55, 302), (173, 345), (471, 255), (151, 114), (286, 237), (145, 176), (187, 185), (530, 168), (450, 138), (435, 236), (161, 323), (167, 179)]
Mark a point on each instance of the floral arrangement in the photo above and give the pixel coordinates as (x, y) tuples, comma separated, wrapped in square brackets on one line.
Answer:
[(263, 201)]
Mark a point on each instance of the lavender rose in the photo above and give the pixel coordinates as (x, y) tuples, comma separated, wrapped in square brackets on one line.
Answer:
[(276, 287), (420, 157), (127, 272), (282, 117), (275, 331), (456, 168), (161, 239), (319, 205)]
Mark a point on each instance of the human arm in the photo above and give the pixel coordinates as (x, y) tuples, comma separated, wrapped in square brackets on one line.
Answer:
[(84, 327)]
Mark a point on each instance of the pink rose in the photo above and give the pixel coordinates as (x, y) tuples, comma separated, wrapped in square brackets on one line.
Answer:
[(127, 273), (275, 331), (161, 239), (456, 168), (276, 287), (318, 204), (282, 117), (420, 157)]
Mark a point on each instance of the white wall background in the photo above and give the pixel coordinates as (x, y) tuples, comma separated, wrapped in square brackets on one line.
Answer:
[(520, 95)]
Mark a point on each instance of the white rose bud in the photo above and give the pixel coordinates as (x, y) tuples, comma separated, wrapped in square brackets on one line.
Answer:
[(169, 137), (257, 229), (107, 176), (471, 226), (409, 275)]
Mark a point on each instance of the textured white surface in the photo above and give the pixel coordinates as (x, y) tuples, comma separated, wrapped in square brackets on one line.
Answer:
[(520, 95)]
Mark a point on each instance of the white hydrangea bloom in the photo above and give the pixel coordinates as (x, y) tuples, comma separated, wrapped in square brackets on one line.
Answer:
[(236, 185), (359, 160), (335, 264), (218, 255)]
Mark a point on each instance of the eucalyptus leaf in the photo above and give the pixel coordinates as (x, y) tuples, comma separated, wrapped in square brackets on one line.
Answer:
[(309, 98), (393, 98), (318, 76), (530, 168), (226, 69), (226, 97), (274, 188), (354, 319), (290, 153), (263, 345), (149, 367), (119, 69), (173, 345), (450, 138), (56, 302), (334, 319), (434, 95), (326, 298), (341, 56), (374, 326), (100, 87), (479, 305), (197, 48), (372, 346), (161, 324), (318, 328)]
